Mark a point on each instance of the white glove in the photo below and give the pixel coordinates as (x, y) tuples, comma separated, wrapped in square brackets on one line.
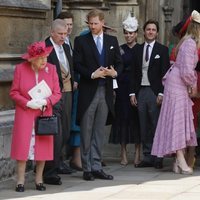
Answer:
[(41, 102), (33, 104)]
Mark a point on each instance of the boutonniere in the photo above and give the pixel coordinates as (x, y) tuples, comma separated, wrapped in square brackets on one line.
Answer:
[(46, 69), (111, 47), (157, 56)]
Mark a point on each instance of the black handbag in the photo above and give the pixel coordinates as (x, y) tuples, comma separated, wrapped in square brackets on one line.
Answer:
[(46, 125)]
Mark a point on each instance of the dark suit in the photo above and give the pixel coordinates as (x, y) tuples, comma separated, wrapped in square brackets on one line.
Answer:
[(62, 108), (52, 58), (86, 61), (148, 109)]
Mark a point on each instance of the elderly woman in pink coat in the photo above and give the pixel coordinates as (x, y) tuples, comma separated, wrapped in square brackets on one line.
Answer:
[(25, 144), (175, 129)]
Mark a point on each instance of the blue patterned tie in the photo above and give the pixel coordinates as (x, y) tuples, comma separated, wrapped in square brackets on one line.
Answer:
[(98, 43)]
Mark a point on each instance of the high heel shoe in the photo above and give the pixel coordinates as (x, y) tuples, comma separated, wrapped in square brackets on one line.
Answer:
[(123, 162), (19, 188), (136, 163), (186, 172), (40, 187)]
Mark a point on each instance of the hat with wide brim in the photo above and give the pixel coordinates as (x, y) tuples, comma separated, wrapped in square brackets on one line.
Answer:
[(37, 49), (195, 16)]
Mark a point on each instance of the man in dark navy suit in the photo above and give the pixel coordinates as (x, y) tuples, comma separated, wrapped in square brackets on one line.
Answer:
[(62, 59), (97, 59), (150, 63)]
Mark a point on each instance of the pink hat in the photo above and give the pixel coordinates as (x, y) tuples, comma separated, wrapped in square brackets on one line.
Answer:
[(37, 49)]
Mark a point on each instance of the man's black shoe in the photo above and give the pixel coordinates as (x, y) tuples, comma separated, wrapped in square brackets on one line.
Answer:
[(19, 188), (158, 165), (52, 180), (103, 164), (102, 175), (65, 169), (88, 176), (144, 164)]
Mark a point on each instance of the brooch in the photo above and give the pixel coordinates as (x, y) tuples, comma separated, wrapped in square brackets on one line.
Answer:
[(46, 69)]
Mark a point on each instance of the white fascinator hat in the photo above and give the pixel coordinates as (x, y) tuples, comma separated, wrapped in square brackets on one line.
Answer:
[(130, 24), (195, 16)]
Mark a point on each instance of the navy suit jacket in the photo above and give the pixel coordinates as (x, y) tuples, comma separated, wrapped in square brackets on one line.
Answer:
[(158, 66), (53, 59), (86, 61)]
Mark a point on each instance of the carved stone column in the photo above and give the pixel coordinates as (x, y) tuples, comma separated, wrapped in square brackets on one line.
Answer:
[(168, 10)]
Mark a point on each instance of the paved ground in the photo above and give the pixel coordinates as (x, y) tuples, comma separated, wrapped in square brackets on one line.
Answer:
[(129, 183)]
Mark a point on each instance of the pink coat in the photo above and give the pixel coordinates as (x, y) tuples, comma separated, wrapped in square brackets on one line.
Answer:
[(24, 80)]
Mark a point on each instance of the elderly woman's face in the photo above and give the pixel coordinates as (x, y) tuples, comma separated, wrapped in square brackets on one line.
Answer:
[(39, 62)]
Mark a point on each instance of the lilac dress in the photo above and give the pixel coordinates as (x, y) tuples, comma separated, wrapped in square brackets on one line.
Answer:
[(175, 128)]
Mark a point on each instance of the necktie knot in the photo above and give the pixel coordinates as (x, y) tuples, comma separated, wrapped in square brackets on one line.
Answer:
[(60, 50), (147, 53), (98, 44)]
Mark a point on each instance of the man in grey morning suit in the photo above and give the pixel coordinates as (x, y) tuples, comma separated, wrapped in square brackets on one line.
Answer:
[(150, 63), (97, 59)]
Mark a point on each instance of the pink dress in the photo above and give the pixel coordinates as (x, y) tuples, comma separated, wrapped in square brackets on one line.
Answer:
[(24, 80), (175, 128)]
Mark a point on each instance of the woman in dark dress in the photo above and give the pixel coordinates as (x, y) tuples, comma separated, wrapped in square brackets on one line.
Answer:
[(125, 128)]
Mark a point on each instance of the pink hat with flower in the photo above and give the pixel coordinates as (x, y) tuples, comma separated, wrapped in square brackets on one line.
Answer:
[(37, 49)]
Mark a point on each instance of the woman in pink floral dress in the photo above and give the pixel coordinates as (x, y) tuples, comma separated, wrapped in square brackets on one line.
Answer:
[(175, 129)]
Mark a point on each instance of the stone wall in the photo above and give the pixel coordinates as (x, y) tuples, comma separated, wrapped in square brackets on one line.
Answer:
[(115, 13), (7, 166), (21, 22)]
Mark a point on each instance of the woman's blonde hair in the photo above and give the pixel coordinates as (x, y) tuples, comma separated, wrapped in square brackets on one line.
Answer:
[(193, 31)]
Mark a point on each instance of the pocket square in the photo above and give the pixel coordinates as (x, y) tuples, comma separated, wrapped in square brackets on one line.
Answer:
[(111, 47), (157, 56)]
